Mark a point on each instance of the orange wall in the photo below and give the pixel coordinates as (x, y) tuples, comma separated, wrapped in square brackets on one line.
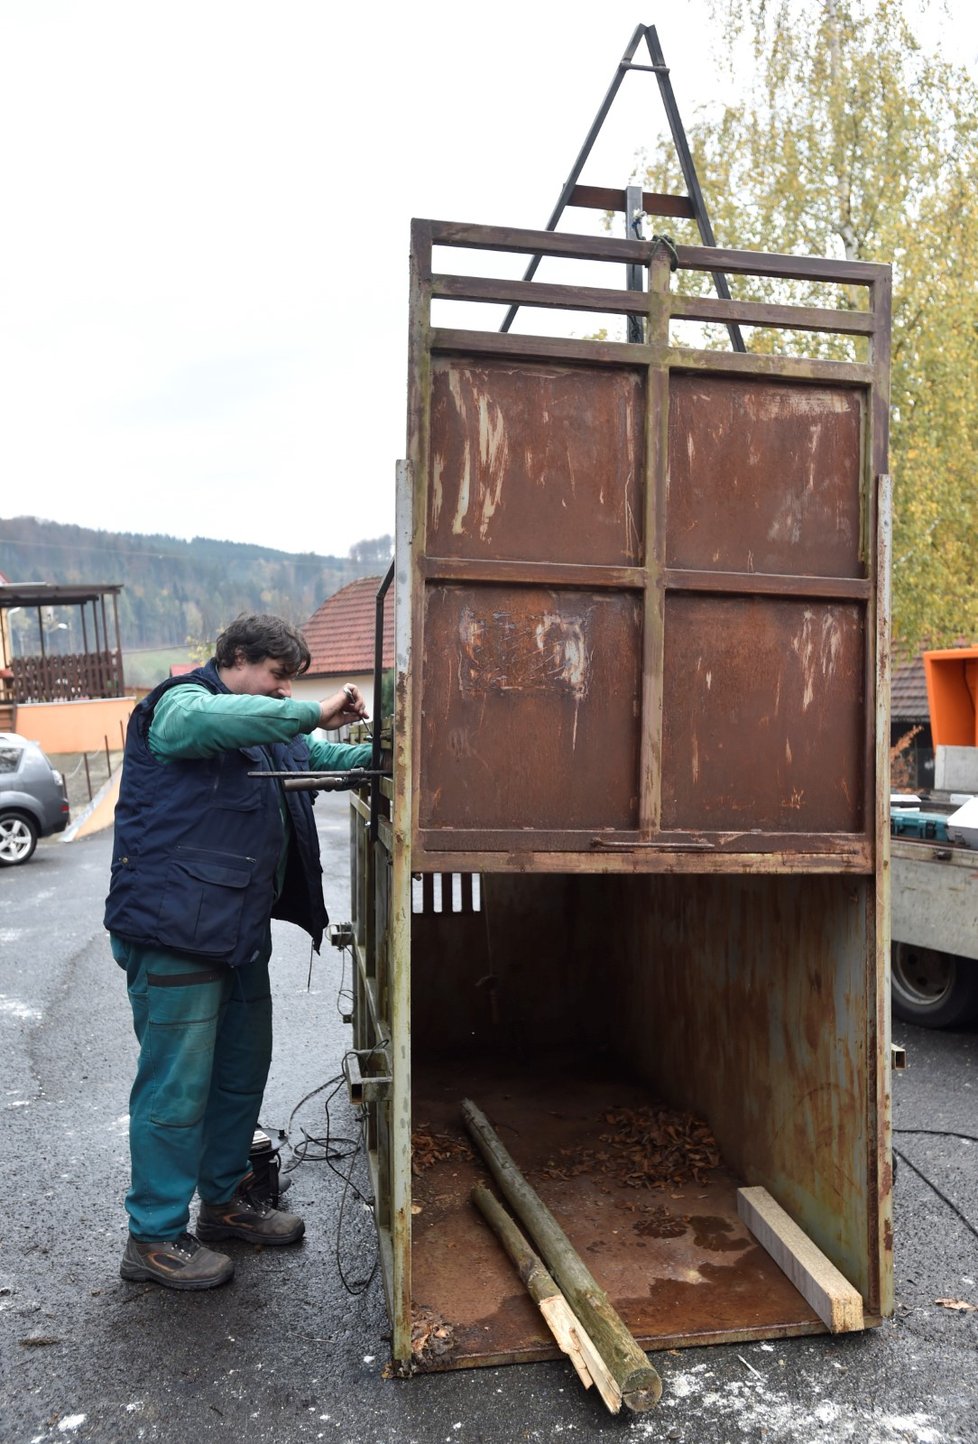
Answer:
[(75, 726)]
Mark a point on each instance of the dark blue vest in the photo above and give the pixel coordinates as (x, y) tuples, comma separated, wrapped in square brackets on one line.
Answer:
[(197, 845)]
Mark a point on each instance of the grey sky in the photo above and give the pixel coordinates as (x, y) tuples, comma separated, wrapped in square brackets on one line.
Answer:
[(203, 301)]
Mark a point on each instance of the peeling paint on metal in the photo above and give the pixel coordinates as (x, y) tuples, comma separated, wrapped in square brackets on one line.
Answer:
[(817, 648), (548, 653)]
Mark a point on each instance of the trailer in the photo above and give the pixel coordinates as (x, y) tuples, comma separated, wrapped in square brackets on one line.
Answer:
[(935, 932), (935, 859), (626, 889)]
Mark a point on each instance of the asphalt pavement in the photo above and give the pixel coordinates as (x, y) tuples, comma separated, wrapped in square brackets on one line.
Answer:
[(295, 1348)]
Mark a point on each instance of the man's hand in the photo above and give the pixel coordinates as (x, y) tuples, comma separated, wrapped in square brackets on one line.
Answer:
[(346, 705)]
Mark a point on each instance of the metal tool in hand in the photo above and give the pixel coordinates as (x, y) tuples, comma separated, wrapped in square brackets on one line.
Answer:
[(324, 781)]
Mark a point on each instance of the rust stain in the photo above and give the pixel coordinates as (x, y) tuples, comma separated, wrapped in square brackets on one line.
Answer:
[(536, 461), (546, 652)]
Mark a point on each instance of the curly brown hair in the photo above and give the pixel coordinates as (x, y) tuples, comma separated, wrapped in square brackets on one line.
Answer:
[(261, 635)]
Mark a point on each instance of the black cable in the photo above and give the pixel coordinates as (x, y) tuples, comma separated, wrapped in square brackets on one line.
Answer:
[(360, 1286), (332, 1150), (930, 1183), (939, 1133), (342, 991)]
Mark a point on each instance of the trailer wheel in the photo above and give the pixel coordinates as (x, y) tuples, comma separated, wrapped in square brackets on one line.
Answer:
[(933, 989)]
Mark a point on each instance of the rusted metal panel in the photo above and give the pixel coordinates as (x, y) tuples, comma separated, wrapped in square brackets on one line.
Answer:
[(764, 476), (530, 709), (638, 688), (763, 705), (531, 461), (662, 1256), (764, 1020)]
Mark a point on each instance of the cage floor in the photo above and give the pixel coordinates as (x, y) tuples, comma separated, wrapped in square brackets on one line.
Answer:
[(676, 1261)]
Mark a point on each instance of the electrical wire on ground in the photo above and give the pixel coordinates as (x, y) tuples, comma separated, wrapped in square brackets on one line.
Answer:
[(334, 1149), (343, 993), (938, 1133)]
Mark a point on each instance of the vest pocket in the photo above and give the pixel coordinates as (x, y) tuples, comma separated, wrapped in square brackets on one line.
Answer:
[(202, 901)]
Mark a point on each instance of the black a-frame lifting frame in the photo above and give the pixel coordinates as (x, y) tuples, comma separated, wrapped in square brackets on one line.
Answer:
[(633, 201)]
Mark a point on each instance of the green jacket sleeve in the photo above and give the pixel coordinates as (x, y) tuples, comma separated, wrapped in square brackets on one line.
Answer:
[(338, 756), (190, 722)]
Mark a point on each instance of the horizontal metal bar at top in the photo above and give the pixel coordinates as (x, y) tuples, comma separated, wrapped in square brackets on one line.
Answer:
[(756, 313), (605, 198), (538, 293), (854, 589), (449, 341), (541, 348), (488, 852), (546, 243), (499, 291), (639, 253), (579, 575), (794, 368), (779, 267)]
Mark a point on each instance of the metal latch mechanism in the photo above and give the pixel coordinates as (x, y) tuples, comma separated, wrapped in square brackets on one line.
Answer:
[(341, 935), (367, 1087)]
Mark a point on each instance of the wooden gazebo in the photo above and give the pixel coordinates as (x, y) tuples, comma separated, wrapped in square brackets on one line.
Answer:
[(51, 674)]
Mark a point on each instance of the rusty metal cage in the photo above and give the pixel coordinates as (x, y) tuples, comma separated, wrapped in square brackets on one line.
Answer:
[(633, 855)]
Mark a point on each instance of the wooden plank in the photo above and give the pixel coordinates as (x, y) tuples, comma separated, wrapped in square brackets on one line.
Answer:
[(755, 313), (815, 1277), (538, 293)]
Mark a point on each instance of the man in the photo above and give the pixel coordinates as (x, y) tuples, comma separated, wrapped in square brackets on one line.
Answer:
[(205, 855)]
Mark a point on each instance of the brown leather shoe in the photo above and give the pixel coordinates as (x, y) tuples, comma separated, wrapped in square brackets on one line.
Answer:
[(176, 1263), (250, 1216)]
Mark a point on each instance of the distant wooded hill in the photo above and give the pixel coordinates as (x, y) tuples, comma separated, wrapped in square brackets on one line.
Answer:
[(176, 589)]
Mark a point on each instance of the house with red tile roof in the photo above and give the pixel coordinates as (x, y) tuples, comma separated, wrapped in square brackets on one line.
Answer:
[(340, 635)]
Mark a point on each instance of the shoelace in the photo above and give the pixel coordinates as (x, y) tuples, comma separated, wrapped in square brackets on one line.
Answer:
[(259, 1202), (187, 1245)]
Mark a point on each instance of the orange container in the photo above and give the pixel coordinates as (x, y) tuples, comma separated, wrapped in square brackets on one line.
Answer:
[(952, 681)]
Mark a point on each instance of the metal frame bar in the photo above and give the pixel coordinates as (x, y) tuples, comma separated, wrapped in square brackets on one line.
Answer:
[(695, 198), (382, 591)]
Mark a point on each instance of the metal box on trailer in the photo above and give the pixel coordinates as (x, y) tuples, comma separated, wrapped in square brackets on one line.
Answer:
[(626, 888)]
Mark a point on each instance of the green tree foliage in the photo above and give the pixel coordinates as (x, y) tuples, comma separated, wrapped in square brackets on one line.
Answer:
[(375, 551), (850, 139), (172, 589)]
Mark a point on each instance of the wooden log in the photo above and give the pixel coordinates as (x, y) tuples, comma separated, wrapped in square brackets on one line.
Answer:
[(560, 1318), (816, 1278), (634, 1377)]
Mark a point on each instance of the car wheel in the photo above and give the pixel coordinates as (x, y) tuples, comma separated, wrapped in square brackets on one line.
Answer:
[(18, 838), (931, 988)]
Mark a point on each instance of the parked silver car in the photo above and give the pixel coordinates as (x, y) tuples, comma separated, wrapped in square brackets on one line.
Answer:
[(33, 799)]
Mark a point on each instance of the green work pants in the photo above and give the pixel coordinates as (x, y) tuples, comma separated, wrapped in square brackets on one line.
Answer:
[(205, 1044)]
